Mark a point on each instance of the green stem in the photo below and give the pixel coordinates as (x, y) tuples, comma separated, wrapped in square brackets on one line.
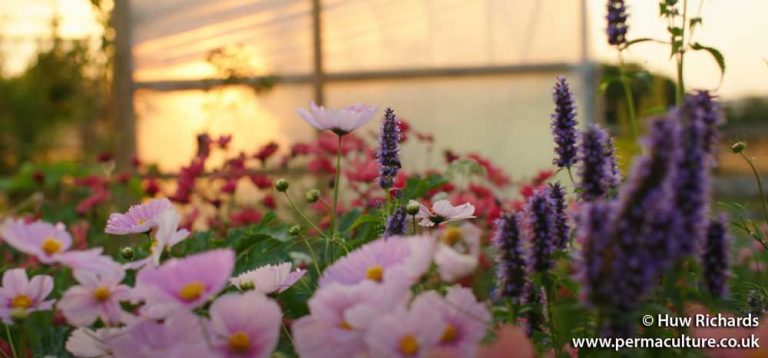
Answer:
[(10, 341), (759, 185), (549, 288), (414, 225), (301, 214), (570, 175), (680, 93), (335, 196), (631, 111), (314, 256)]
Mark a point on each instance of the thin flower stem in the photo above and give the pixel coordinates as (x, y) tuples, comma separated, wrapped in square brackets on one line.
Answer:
[(314, 256), (570, 175), (549, 290), (625, 83), (288, 334), (414, 225), (759, 184), (327, 206), (301, 214), (680, 93), (10, 341), (335, 196)]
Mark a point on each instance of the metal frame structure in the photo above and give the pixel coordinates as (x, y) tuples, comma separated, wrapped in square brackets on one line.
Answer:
[(318, 79)]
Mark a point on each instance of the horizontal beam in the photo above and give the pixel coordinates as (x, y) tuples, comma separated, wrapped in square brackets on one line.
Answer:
[(416, 73)]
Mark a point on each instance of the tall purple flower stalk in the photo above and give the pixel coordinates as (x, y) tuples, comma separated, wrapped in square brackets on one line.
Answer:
[(706, 109), (715, 258), (598, 173), (692, 186), (617, 22), (642, 201), (389, 150), (564, 124), (396, 223), (597, 254), (540, 213), (562, 230), (510, 259)]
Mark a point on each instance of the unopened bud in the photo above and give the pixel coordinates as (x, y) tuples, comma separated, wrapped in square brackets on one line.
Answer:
[(738, 147), (294, 230), (127, 252), (19, 314), (281, 185), (313, 195), (412, 208)]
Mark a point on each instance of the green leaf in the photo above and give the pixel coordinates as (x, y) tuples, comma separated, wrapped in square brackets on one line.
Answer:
[(716, 54), (655, 110), (675, 31), (695, 21), (362, 219), (637, 41)]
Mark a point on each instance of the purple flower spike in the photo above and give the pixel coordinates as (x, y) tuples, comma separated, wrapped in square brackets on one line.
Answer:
[(389, 150), (510, 260), (617, 22), (396, 223), (715, 258), (564, 124), (598, 172), (562, 230), (596, 265), (540, 213)]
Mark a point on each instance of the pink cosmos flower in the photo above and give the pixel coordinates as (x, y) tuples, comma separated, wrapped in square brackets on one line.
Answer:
[(138, 218), (180, 335), (166, 236), (245, 325), (443, 212), (20, 293), (268, 279), (464, 320), (97, 296), (184, 283), (43, 240), (340, 121), (458, 251), (376, 260), (340, 317), (406, 333), (88, 343)]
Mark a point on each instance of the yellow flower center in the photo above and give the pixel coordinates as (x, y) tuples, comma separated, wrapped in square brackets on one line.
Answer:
[(21, 301), (239, 342), (141, 221), (51, 245), (409, 346), (345, 326), (192, 291), (375, 273), (449, 334), (101, 294), (452, 235)]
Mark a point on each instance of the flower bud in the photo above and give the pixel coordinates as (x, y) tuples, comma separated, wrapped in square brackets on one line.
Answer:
[(127, 252), (294, 230), (738, 147), (281, 185), (313, 195), (412, 208)]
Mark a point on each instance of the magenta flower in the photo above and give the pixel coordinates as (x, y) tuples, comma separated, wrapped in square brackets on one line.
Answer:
[(180, 335), (407, 258), (268, 279), (458, 251), (340, 317), (443, 212), (138, 218), (184, 283), (464, 319), (43, 240), (97, 297), (340, 121), (245, 325), (19, 293), (406, 333)]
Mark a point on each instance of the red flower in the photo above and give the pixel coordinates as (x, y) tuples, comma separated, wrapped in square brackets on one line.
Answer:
[(151, 187), (246, 216), (261, 181), (266, 152), (269, 202)]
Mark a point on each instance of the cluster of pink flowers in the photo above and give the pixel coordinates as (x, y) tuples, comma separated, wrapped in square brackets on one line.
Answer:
[(365, 304), (157, 316)]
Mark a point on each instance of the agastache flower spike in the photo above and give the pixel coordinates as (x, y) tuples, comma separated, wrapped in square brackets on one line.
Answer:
[(396, 223), (540, 213), (389, 148), (596, 256), (715, 258), (617, 22), (692, 184), (557, 195), (598, 173), (564, 124), (510, 259)]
